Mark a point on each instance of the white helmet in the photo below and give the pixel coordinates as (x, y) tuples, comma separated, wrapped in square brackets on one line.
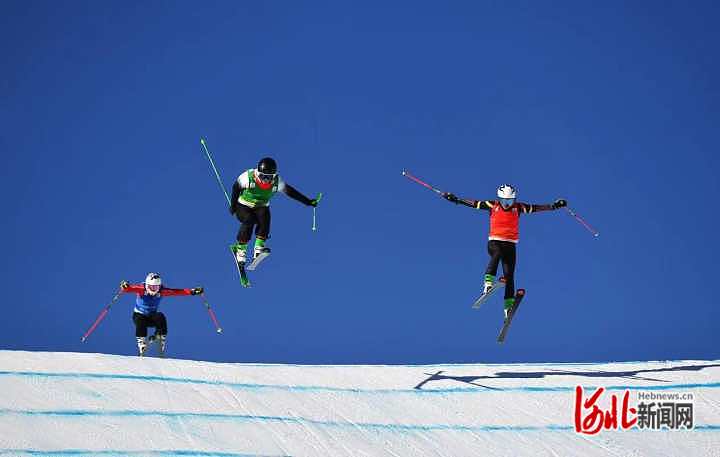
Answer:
[(153, 283), (506, 191), (507, 194)]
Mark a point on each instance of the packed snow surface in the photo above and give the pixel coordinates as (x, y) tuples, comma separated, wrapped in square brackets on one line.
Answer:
[(93, 404)]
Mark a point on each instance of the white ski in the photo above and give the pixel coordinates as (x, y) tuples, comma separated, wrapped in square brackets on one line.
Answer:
[(496, 285), (254, 264)]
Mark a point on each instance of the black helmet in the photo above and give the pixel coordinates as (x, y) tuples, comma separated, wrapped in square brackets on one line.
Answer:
[(267, 166)]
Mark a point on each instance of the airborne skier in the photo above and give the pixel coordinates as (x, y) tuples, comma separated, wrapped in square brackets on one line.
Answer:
[(250, 203), (146, 312), (504, 234)]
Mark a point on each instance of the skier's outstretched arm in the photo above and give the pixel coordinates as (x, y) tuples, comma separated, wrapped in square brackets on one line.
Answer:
[(293, 193), (534, 208), (459, 201), (168, 292), (127, 288)]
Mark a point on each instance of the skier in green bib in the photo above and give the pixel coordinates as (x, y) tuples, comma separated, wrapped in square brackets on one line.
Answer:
[(250, 203)]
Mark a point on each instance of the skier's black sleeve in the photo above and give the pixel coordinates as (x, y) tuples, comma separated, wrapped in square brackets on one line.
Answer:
[(525, 208), (235, 195), (466, 202), (293, 193), (528, 208)]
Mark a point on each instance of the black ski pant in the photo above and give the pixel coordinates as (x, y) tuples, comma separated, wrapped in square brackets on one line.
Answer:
[(143, 321), (504, 251), (258, 217)]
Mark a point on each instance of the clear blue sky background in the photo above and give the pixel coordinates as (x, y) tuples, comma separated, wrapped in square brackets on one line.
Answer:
[(612, 105)]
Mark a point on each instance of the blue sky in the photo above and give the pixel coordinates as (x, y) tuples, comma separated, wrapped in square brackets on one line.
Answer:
[(612, 105)]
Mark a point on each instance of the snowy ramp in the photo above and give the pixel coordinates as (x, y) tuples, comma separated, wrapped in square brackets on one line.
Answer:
[(92, 404)]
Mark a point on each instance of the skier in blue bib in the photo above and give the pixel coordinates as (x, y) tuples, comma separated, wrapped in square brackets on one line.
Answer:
[(146, 314)]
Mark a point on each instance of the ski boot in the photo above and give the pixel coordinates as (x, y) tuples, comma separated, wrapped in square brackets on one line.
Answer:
[(240, 251), (161, 340), (509, 304), (259, 253), (488, 284), (142, 345), (260, 248)]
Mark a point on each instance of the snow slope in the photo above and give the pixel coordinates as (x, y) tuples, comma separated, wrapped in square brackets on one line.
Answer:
[(94, 404)]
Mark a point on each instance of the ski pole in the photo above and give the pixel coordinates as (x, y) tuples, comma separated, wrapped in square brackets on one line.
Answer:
[(212, 164), (212, 313), (317, 200), (582, 221), (422, 183), (100, 317)]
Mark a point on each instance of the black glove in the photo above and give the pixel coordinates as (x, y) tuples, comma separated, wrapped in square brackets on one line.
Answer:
[(196, 291), (124, 284), (314, 202), (232, 210), (450, 197), (559, 203)]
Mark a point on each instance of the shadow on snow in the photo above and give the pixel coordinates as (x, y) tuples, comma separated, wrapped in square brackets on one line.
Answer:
[(628, 374)]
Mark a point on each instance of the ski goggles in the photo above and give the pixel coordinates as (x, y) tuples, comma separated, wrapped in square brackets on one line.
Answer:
[(152, 288), (266, 177), (507, 202)]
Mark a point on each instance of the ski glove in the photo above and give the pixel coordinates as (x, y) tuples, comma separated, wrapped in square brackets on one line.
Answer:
[(314, 202), (450, 197), (124, 285), (232, 210), (196, 291), (559, 203)]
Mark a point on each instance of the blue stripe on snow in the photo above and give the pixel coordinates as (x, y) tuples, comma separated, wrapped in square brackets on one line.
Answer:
[(295, 388), (301, 420)]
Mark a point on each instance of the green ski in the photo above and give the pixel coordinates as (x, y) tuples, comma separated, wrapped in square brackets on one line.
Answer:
[(244, 281)]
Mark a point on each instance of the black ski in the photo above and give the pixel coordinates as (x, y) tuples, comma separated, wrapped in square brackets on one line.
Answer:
[(511, 314)]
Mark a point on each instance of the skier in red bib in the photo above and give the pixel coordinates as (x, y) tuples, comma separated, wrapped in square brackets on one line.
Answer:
[(504, 233)]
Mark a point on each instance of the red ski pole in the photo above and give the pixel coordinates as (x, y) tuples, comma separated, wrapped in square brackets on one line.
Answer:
[(211, 313), (582, 221), (422, 183), (100, 317)]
